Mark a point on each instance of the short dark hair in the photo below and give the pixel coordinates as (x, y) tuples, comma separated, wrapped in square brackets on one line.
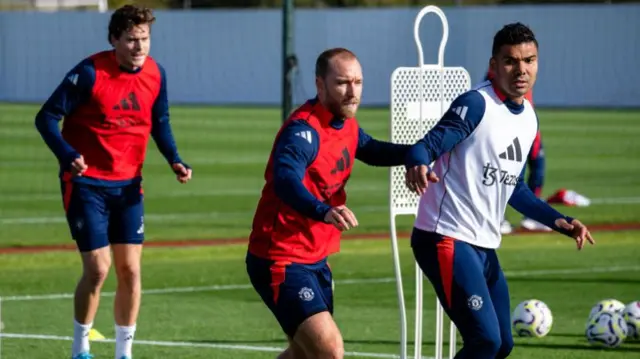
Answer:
[(512, 34), (322, 63), (128, 16)]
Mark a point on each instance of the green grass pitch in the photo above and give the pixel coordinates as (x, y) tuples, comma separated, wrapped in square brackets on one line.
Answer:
[(198, 303)]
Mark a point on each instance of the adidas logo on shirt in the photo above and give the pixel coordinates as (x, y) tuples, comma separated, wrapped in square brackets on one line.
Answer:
[(128, 103), (461, 111), (513, 152), (305, 134)]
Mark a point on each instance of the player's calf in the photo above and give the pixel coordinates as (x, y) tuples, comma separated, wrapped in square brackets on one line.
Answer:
[(127, 302), (95, 266), (127, 267)]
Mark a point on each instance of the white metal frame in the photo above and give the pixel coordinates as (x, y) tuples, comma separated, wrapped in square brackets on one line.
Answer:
[(404, 205)]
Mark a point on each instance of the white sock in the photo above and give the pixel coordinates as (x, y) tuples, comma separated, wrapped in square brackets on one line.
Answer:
[(80, 338), (124, 341)]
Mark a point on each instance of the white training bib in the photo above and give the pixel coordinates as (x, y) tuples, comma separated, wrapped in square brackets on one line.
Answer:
[(479, 175)]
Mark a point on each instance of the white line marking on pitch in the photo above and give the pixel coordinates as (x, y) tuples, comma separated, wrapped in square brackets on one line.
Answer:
[(275, 349), (167, 217), (177, 217), (192, 345), (209, 288), (616, 200), (239, 192), (216, 288)]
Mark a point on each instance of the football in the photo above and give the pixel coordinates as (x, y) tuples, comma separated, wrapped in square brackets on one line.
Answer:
[(607, 305), (606, 329), (532, 318), (631, 315)]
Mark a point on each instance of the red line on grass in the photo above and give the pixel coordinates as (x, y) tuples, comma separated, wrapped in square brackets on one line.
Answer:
[(612, 227)]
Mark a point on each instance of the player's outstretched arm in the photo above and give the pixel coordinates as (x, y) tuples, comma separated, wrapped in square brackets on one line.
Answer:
[(163, 135), (296, 148), (74, 90), (525, 201), (380, 153), (462, 118)]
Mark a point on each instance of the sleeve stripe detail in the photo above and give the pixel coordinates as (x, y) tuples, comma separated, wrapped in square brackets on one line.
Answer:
[(306, 135)]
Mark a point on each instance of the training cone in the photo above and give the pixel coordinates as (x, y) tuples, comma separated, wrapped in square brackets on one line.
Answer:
[(95, 335)]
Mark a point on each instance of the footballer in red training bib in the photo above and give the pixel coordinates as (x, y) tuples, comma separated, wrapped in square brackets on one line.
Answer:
[(118, 119), (280, 232)]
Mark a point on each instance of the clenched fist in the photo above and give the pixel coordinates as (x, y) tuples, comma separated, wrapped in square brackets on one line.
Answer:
[(417, 179), (183, 173), (341, 217), (78, 167)]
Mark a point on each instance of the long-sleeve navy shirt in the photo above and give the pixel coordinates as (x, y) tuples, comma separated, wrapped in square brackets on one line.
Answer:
[(451, 130), (74, 91), (293, 154)]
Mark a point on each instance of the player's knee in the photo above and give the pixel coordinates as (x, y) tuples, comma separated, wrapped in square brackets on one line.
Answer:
[(95, 276), (486, 345), (127, 263), (333, 349), (320, 337), (128, 273), (294, 351), (337, 348), (492, 345), (505, 348), (330, 346), (95, 268)]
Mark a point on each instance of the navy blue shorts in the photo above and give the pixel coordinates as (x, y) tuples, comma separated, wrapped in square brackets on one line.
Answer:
[(471, 286), (99, 216), (292, 291)]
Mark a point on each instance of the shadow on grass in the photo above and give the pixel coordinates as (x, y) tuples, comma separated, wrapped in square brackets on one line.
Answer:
[(282, 342), (625, 348), (566, 335), (574, 280)]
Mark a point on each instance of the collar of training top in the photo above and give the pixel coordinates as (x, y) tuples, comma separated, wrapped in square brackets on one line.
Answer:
[(513, 106), (112, 54), (325, 116)]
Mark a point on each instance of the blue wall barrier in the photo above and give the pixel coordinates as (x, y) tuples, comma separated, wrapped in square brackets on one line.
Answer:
[(588, 53)]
